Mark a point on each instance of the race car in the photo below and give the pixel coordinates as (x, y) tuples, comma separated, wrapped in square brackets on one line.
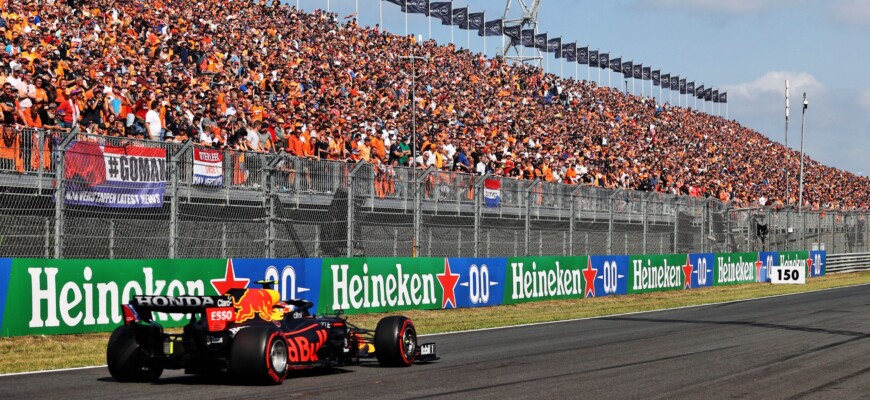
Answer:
[(251, 334)]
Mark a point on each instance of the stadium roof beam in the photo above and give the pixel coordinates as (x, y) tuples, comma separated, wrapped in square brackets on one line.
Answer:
[(529, 20)]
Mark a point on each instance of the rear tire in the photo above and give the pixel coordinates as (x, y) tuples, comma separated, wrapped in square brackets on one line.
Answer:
[(124, 359), (395, 341), (261, 354)]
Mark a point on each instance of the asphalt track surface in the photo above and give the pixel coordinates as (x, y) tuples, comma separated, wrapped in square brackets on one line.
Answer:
[(812, 345)]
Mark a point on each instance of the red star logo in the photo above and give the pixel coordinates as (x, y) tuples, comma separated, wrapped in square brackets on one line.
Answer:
[(589, 273), (687, 273), (222, 286), (758, 265), (448, 283)]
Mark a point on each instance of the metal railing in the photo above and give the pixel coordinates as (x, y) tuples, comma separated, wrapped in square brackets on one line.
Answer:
[(276, 205)]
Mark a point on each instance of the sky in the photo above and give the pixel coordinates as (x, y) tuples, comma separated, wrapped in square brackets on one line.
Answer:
[(747, 48)]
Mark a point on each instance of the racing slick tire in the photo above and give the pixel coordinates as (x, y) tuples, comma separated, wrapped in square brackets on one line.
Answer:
[(124, 359), (260, 352), (395, 341)]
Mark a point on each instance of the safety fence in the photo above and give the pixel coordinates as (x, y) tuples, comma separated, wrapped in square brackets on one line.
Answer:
[(51, 296), (127, 198)]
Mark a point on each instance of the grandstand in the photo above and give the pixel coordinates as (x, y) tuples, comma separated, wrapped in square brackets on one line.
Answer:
[(296, 100)]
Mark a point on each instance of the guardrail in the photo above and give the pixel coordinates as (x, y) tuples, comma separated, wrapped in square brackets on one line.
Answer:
[(843, 263)]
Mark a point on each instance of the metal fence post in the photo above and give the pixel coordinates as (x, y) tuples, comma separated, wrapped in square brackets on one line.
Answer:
[(528, 226), (270, 179), (705, 210), (173, 205), (350, 206), (420, 183), (644, 203), (478, 210), (60, 195), (228, 175), (571, 222), (676, 223), (610, 220)]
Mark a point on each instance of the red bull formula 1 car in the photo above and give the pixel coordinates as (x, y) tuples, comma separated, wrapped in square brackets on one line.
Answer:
[(252, 334)]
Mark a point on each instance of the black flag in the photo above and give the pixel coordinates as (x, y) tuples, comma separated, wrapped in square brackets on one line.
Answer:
[(529, 38), (417, 7), (682, 86), (638, 71), (583, 55), (475, 21), (723, 97), (675, 83), (708, 94), (514, 33), (715, 96), (627, 69), (442, 10), (593, 58), (657, 77), (569, 52), (398, 3), (490, 28), (555, 46), (690, 88), (541, 41), (666, 81), (646, 73), (603, 60), (699, 92), (616, 64), (460, 17)]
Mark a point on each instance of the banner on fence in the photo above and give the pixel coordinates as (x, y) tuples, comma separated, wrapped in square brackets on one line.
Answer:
[(208, 167), (44, 296), (609, 274), (111, 176), (492, 192), (548, 278), (480, 281)]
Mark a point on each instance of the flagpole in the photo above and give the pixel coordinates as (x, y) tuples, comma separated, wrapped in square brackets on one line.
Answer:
[(632, 82), (430, 25), (451, 24), (327, 6), (356, 11), (641, 83), (406, 20), (609, 82), (381, 16)]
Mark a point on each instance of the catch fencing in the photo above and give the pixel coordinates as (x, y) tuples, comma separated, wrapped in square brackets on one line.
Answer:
[(274, 205)]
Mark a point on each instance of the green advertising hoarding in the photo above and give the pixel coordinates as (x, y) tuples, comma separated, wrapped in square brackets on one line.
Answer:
[(736, 268), (545, 278), (795, 259), (76, 296), (656, 272), (358, 285)]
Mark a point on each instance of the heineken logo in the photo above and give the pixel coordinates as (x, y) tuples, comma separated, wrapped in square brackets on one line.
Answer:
[(393, 286), (534, 281), (651, 276), (731, 271)]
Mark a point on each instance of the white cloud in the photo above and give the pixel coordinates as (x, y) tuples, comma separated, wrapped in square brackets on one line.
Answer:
[(728, 6), (773, 82), (853, 11)]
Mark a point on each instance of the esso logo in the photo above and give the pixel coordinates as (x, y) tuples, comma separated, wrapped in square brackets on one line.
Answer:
[(478, 284), (220, 314), (611, 277), (702, 271)]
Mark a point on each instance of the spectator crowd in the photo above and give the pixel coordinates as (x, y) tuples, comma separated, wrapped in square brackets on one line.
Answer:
[(261, 76)]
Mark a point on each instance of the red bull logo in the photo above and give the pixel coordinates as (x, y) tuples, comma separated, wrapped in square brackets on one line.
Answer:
[(258, 303)]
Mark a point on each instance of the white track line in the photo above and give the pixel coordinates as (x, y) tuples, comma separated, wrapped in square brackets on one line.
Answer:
[(522, 325), (635, 312)]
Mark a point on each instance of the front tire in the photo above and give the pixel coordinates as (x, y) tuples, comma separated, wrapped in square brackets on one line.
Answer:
[(395, 341), (125, 360), (260, 353)]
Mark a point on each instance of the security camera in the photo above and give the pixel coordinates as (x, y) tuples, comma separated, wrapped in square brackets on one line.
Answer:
[(806, 103)]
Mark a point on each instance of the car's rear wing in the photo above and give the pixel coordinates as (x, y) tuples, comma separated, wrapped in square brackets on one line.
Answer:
[(141, 308)]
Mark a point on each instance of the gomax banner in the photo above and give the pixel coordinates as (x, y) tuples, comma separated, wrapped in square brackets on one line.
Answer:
[(44, 296), (76, 296)]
